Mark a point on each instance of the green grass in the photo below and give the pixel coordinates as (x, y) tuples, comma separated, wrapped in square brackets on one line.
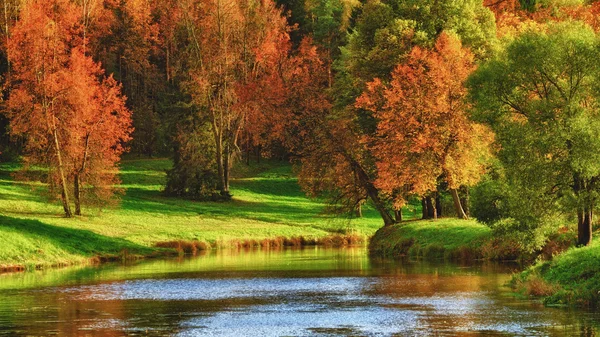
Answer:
[(267, 203), (442, 238), (571, 278)]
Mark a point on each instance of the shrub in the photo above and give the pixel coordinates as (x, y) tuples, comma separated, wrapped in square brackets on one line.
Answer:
[(489, 201)]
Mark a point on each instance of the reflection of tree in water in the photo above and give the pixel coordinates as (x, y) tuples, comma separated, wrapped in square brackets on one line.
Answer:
[(257, 287)]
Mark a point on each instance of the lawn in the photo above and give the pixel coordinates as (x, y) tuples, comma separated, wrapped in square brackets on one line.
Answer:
[(441, 238), (267, 203)]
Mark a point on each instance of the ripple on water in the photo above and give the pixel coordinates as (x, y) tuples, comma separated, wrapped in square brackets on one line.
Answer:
[(322, 306), (202, 289)]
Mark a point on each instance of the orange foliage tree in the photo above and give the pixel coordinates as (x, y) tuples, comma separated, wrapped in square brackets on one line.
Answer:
[(424, 131), (324, 141), (72, 117), (234, 43)]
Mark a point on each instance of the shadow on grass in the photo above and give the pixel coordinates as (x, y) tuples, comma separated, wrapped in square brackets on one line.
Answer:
[(141, 200), (273, 187), (21, 190), (74, 241)]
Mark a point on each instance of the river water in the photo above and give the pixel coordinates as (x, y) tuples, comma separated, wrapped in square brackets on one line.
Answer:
[(307, 292)]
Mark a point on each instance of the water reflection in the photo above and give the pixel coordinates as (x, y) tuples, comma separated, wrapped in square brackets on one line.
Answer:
[(292, 292)]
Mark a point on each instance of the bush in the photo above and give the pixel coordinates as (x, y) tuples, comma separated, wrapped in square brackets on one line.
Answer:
[(194, 173), (193, 182), (517, 240), (489, 201)]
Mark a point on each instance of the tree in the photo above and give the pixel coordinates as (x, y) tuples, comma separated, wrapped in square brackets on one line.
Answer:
[(540, 96), (333, 162), (132, 52), (384, 33), (424, 131), (72, 117), (100, 127), (236, 42)]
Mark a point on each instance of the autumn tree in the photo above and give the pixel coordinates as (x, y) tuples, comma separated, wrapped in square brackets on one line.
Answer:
[(72, 117), (383, 35), (424, 131), (132, 52), (99, 130), (234, 43), (540, 96)]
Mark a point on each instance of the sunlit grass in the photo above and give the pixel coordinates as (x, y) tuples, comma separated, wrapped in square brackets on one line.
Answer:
[(442, 238), (267, 203), (573, 275)]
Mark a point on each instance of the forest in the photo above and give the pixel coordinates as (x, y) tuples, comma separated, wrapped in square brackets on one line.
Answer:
[(462, 108)]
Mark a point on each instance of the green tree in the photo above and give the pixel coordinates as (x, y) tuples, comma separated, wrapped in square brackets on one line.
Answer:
[(540, 95)]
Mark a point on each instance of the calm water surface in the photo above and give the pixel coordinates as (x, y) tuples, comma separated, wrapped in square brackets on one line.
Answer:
[(309, 292)]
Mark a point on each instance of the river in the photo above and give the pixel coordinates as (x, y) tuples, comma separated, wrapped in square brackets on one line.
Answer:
[(303, 292)]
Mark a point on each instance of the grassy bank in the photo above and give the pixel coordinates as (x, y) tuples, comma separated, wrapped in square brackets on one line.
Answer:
[(455, 239), (571, 278), (268, 207), (432, 239)]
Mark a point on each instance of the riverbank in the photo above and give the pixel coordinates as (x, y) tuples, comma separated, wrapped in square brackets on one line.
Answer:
[(454, 239), (444, 238), (571, 278), (562, 275), (268, 208)]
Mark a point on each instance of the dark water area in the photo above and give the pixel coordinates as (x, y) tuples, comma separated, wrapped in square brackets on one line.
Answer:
[(308, 292)]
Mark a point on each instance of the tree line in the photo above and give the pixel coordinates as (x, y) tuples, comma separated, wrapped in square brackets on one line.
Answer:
[(491, 103)]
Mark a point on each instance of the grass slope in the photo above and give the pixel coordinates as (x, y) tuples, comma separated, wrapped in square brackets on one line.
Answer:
[(442, 238), (267, 203), (571, 278)]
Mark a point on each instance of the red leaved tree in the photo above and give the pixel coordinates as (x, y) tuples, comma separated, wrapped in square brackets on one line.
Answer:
[(235, 43), (424, 131), (72, 117)]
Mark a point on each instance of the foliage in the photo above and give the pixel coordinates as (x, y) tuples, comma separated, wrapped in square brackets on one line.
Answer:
[(73, 118), (241, 43), (423, 130), (193, 173), (540, 96), (489, 200)]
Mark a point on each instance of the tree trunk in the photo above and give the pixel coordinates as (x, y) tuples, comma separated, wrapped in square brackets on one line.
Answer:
[(77, 192), (359, 210), (398, 215), (7, 35), (584, 226), (460, 212), (438, 205), (220, 165), (373, 193), (247, 149), (464, 200), (63, 179), (424, 208), (584, 213), (77, 178), (226, 170), (431, 210)]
